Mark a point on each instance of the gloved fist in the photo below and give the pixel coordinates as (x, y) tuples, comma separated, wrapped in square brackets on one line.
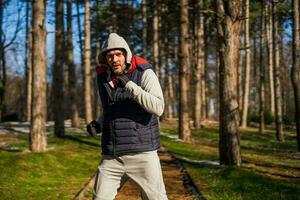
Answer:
[(93, 128), (123, 79)]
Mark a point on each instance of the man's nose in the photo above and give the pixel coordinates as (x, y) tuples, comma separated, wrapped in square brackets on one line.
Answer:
[(115, 57)]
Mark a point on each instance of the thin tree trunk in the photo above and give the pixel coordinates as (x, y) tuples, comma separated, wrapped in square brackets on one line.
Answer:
[(295, 72), (255, 76), (269, 29), (113, 21), (277, 87), (199, 66), (262, 73), (71, 69), (38, 139), (240, 75), (58, 78), (247, 66), (29, 78), (228, 28), (170, 92), (2, 65), (144, 33), (184, 123), (28, 67), (87, 64), (155, 38), (79, 31)]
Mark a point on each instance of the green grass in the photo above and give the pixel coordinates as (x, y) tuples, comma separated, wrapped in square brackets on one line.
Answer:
[(270, 169), (57, 174)]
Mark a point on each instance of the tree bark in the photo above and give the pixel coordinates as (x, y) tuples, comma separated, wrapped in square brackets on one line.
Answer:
[(262, 72), (2, 65), (269, 28), (28, 67), (228, 29), (71, 69), (247, 67), (38, 139), (199, 66), (184, 122), (87, 64), (144, 33), (277, 87), (58, 78), (155, 38), (113, 21), (295, 72)]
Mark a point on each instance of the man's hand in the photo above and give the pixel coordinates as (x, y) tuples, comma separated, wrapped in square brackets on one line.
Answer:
[(93, 128), (123, 79)]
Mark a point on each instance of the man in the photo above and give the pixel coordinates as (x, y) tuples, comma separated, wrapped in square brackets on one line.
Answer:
[(132, 100)]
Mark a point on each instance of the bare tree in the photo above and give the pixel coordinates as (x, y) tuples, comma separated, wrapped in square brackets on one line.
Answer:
[(144, 33), (184, 122), (113, 21), (199, 66), (247, 67), (38, 139), (28, 64), (262, 72), (276, 61), (155, 47), (71, 69), (57, 83), (269, 29), (295, 72), (228, 28), (5, 43), (87, 64)]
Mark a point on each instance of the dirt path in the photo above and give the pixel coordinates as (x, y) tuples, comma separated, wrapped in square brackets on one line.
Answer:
[(173, 178)]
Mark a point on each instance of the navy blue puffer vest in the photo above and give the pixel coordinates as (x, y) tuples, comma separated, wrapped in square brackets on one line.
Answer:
[(127, 127)]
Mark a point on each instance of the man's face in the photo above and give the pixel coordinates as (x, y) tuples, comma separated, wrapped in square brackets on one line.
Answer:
[(116, 61)]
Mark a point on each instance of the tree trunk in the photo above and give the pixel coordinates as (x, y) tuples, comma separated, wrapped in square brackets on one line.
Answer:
[(144, 33), (155, 38), (58, 78), (38, 139), (295, 72), (113, 20), (228, 28), (277, 87), (199, 66), (269, 29), (79, 32), (184, 122), (247, 66), (28, 67), (262, 72), (2, 65), (71, 69), (87, 64)]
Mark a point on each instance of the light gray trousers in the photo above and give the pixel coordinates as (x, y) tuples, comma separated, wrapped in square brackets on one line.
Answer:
[(143, 168)]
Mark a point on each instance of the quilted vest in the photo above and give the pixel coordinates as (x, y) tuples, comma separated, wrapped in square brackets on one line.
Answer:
[(127, 127)]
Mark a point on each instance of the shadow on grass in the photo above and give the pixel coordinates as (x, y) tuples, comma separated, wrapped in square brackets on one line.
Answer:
[(242, 183), (82, 141), (10, 150)]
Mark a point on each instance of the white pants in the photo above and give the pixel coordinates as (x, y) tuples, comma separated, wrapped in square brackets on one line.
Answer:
[(143, 168)]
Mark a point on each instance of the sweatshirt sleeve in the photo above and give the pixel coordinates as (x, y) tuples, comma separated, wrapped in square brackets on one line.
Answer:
[(149, 95)]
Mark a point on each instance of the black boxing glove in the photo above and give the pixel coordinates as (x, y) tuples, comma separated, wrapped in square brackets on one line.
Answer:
[(93, 128), (123, 79)]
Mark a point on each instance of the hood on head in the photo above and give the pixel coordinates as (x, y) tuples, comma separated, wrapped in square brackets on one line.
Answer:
[(115, 41)]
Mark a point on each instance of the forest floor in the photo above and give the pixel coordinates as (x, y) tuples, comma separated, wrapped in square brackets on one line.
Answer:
[(270, 169), (13, 146)]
